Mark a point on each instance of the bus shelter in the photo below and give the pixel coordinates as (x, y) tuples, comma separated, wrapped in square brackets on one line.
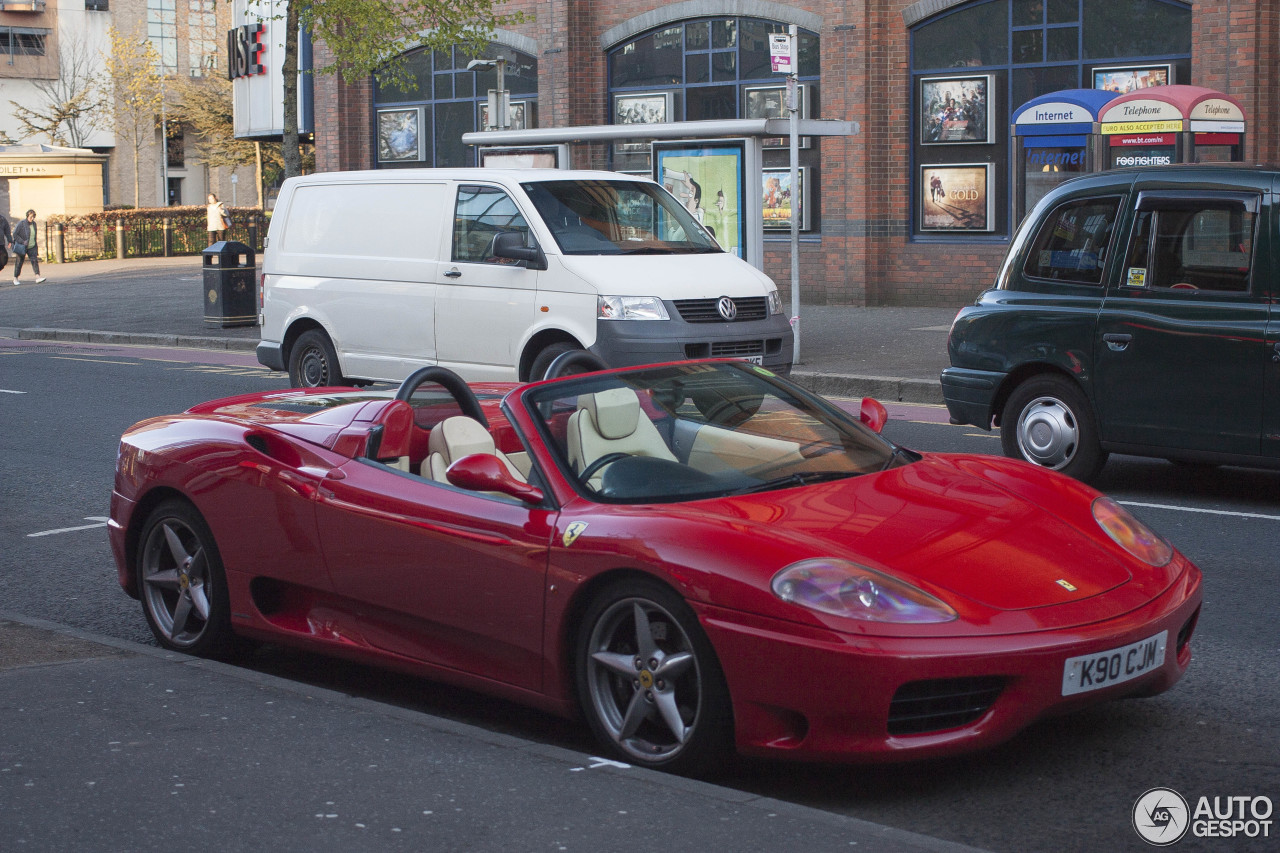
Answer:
[(1172, 124), (1055, 138)]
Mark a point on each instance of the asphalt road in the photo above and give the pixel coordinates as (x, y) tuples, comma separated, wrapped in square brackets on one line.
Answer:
[(1065, 784)]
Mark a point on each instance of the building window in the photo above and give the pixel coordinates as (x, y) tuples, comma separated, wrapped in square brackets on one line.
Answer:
[(162, 29), (995, 55), (202, 38), (16, 41), (96, 6), (177, 147), (422, 123)]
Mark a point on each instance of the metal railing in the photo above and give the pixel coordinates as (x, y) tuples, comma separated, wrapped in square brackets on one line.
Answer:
[(144, 238)]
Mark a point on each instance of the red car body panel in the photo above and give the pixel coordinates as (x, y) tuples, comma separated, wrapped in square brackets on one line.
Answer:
[(355, 559)]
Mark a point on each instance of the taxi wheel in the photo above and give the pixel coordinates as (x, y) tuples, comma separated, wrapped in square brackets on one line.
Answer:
[(182, 583), (313, 363), (649, 682), (1048, 421)]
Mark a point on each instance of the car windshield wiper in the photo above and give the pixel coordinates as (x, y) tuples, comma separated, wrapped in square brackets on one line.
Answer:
[(794, 479)]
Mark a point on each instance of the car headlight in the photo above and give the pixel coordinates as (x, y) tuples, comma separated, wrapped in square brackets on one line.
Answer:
[(631, 308), (1130, 534), (842, 588), (775, 302)]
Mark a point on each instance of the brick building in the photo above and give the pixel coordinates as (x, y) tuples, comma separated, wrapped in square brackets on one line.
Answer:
[(932, 84)]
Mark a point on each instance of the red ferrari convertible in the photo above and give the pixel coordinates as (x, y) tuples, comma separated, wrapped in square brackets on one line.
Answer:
[(695, 556)]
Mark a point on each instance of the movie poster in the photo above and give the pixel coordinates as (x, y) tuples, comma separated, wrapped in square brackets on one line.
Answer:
[(1122, 81), (955, 197), (955, 110)]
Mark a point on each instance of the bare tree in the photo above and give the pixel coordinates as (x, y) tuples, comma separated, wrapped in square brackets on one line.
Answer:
[(136, 91), (69, 107)]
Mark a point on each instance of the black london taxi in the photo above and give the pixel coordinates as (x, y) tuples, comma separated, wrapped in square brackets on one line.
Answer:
[(1132, 314)]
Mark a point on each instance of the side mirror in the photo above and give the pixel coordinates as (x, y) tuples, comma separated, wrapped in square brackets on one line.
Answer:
[(510, 244), (484, 472), (873, 414)]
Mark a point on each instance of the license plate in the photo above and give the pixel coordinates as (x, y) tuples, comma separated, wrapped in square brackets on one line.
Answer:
[(1114, 666), (752, 359)]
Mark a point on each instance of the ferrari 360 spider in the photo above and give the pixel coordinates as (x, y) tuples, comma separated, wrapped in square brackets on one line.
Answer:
[(695, 557)]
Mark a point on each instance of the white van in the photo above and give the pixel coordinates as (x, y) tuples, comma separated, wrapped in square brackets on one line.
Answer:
[(493, 273)]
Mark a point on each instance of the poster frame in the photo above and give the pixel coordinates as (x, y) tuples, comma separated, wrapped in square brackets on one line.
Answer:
[(1166, 67), (988, 224), (381, 135), (785, 173), (723, 154), (922, 108)]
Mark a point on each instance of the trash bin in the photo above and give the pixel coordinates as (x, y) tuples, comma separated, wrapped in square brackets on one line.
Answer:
[(230, 291)]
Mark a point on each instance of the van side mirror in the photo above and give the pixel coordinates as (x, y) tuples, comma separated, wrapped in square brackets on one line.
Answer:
[(510, 244)]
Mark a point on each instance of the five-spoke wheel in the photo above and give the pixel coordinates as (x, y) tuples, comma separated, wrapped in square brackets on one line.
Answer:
[(182, 583), (649, 681)]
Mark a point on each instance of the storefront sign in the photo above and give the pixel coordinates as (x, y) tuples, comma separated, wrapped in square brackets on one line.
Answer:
[(20, 170), (244, 51), (1141, 127)]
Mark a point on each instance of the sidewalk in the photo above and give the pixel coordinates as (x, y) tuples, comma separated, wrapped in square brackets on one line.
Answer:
[(894, 354), (109, 745)]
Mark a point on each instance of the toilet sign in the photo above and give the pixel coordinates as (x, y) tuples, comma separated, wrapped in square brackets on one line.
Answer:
[(780, 52)]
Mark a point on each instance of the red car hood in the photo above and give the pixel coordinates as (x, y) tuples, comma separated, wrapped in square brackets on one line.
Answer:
[(936, 525)]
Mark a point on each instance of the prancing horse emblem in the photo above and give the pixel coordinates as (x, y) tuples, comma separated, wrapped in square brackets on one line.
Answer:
[(572, 532)]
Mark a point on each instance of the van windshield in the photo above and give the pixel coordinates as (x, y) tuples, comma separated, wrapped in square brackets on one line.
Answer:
[(604, 217)]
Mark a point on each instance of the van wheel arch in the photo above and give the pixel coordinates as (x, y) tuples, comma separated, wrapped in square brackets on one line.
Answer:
[(540, 343)]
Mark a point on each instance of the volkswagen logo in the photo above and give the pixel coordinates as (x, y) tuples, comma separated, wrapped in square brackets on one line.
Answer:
[(727, 307)]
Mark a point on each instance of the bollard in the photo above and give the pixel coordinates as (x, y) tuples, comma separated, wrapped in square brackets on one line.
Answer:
[(59, 242), (167, 228), (120, 238)]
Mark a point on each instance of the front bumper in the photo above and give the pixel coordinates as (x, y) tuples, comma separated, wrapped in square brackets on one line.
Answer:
[(271, 355), (970, 394), (818, 696), (628, 343)]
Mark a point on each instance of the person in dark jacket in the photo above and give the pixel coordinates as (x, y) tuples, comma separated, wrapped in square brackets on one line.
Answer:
[(24, 247)]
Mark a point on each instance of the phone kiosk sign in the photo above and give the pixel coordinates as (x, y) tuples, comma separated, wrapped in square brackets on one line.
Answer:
[(1055, 137), (1163, 125)]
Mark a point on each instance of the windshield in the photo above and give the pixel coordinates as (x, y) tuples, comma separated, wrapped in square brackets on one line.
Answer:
[(684, 432), (604, 217)]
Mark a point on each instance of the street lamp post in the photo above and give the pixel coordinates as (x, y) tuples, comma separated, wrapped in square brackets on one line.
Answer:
[(499, 101)]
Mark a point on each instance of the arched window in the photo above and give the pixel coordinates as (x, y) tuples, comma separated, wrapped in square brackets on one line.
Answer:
[(709, 68), (423, 124), (976, 63)]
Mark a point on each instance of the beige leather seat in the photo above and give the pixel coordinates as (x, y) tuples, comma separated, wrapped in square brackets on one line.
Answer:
[(611, 422), (456, 437)]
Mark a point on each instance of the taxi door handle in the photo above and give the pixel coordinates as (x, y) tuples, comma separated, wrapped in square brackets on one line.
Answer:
[(1117, 342), (1275, 354)]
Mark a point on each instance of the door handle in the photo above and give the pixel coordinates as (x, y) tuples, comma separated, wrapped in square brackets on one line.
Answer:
[(1117, 342), (1275, 354), (453, 273)]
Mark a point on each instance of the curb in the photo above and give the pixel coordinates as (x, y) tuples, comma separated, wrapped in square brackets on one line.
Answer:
[(884, 388)]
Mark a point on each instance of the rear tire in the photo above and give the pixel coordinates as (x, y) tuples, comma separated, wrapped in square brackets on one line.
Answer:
[(313, 363), (1048, 422)]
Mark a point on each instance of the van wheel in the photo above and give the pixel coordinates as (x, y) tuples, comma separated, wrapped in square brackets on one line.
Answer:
[(1048, 421), (538, 369), (313, 362)]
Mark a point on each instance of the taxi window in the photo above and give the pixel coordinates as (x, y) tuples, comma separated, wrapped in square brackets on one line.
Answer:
[(1192, 246), (1073, 241)]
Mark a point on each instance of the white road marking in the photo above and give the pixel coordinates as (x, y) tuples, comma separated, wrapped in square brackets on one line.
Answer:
[(1203, 511), (93, 360), (7, 391), (101, 522)]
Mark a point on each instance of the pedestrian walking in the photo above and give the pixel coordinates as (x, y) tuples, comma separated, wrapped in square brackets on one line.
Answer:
[(24, 247), (217, 220)]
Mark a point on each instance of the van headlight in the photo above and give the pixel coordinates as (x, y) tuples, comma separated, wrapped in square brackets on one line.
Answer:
[(775, 302), (630, 308)]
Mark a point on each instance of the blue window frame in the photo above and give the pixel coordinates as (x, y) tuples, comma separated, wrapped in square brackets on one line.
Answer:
[(1029, 48)]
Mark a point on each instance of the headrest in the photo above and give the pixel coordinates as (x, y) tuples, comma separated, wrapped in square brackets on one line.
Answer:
[(615, 412), (459, 436)]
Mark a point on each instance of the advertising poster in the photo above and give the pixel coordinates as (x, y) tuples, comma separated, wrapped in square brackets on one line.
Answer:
[(778, 197), (708, 181), (955, 110), (399, 136), (955, 197), (1125, 80)]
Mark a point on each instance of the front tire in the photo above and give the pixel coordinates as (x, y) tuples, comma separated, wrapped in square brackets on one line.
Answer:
[(182, 583), (1048, 421), (313, 362), (649, 682)]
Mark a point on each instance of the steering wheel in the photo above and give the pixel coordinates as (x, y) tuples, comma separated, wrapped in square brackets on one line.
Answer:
[(451, 382), (607, 459)]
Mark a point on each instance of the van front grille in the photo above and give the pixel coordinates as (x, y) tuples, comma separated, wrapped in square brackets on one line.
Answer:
[(706, 310)]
